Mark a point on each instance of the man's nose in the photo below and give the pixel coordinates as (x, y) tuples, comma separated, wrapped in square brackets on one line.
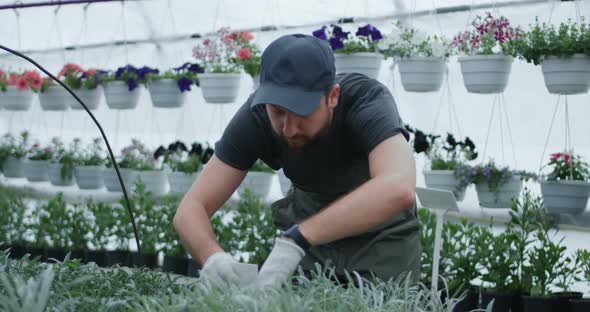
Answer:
[(289, 126)]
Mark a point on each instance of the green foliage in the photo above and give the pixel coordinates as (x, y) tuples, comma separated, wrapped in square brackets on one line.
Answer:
[(149, 218), (260, 166), (92, 155), (13, 146), (567, 166), (102, 223), (183, 162), (172, 244)]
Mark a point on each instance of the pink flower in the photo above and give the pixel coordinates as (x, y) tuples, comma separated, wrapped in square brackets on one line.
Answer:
[(22, 84), (90, 72), (13, 79), (2, 75), (566, 157), (36, 82), (206, 42), (244, 53), (555, 156), (474, 41), (198, 53)]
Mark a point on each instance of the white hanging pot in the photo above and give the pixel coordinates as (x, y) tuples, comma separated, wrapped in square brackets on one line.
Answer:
[(366, 63), (54, 173), (220, 88), (257, 182), (256, 81), (56, 98), (421, 74), (36, 170), (15, 100), (486, 73), (568, 75), (118, 96), (89, 177), (13, 167), (443, 180), (181, 182), (284, 182), (166, 94), (90, 97), (503, 198), (111, 180), (565, 196), (155, 181)]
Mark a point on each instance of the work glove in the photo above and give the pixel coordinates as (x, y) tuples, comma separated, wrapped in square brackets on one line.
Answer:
[(280, 264), (222, 270)]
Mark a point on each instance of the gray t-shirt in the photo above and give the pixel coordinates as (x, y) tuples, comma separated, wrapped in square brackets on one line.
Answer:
[(365, 116)]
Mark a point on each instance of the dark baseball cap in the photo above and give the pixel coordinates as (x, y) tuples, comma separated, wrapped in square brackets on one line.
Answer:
[(296, 71)]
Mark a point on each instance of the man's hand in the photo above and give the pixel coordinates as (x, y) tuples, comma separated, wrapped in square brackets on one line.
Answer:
[(222, 270), (280, 264)]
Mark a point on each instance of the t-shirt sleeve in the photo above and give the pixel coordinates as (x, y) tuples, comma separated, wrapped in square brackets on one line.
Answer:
[(373, 117), (242, 141)]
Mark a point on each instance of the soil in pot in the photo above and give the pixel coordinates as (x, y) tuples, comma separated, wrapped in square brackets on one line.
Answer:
[(119, 257), (178, 265), (55, 253), (97, 256), (504, 302), (580, 305), (140, 261), (537, 304), (561, 300)]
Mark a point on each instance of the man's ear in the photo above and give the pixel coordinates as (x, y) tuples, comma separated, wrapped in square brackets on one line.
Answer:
[(333, 96)]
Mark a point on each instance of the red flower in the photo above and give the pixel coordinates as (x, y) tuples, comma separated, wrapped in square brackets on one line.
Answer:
[(70, 68), (244, 53), (22, 84), (2, 75), (566, 157), (90, 72), (13, 79), (36, 82), (555, 156)]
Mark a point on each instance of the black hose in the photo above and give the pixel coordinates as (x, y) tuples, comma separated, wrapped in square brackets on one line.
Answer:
[(101, 133)]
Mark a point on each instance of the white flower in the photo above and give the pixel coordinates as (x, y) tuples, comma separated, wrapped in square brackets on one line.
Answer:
[(395, 33), (418, 38), (438, 50), (385, 43)]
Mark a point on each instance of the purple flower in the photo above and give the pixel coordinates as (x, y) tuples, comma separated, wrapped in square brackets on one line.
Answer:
[(142, 72), (196, 68), (320, 33), (487, 172), (474, 172), (369, 31), (184, 84), (376, 35), (338, 32), (127, 68), (336, 43), (131, 84)]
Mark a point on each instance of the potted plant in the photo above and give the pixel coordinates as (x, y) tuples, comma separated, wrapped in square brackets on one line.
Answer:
[(445, 159), (38, 228), (563, 53), (85, 83), (182, 166), (35, 166), (78, 231), (102, 225), (175, 257), (169, 89), (150, 170), (12, 210), (248, 55), (12, 153), (356, 53), (122, 88), (583, 258), (55, 220), (149, 221), (569, 273), (496, 187), (421, 58), (120, 232), (18, 89), (566, 188), (89, 166), (258, 180), (220, 82), (60, 167), (487, 50), (54, 97)]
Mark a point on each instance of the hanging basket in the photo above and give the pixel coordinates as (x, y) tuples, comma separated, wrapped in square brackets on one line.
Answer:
[(54, 173), (366, 63), (14, 100), (111, 180), (257, 182), (118, 96), (220, 88), (421, 74), (181, 182), (565, 196), (89, 177), (443, 180), (90, 97), (13, 167), (503, 198), (56, 98), (165, 94), (155, 181), (36, 170), (284, 182), (570, 75), (486, 73)]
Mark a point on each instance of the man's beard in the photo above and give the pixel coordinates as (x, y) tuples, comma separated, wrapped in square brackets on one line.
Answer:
[(299, 144)]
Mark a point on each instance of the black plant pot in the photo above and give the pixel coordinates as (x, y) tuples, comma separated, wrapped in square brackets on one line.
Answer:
[(36, 252), (54, 253), (79, 254), (178, 265), (16, 251), (579, 305), (503, 302), (561, 300), (193, 268), (469, 303), (538, 304), (97, 256), (140, 261), (119, 257)]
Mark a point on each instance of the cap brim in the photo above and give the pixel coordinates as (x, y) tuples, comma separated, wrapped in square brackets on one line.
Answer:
[(298, 101)]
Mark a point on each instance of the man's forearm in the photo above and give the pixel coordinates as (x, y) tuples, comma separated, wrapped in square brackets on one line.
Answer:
[(194, 228), (368, 206)]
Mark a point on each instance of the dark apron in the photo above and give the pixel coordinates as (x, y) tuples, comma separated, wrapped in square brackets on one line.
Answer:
[(386, 251)]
